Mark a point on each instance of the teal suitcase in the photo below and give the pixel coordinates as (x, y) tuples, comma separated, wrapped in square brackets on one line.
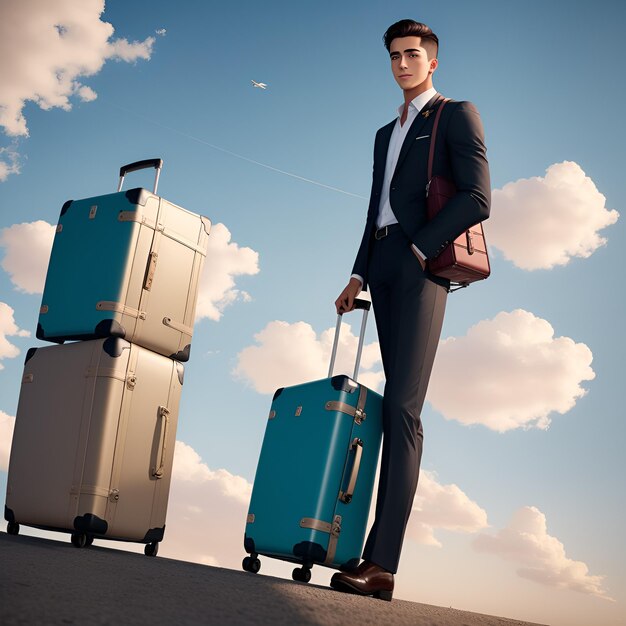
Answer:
[(125, 265), (314, 480)]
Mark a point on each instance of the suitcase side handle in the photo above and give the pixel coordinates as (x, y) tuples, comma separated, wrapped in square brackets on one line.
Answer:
[(157, 164), (364, 305), (157, 470), (357, 446)]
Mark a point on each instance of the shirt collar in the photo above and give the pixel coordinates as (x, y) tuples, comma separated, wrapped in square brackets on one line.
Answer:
[(419, 102)]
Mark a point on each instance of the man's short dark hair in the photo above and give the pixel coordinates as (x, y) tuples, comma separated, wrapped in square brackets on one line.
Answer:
[(411, 28)]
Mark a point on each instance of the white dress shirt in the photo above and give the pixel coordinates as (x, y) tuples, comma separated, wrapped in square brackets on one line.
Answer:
[(386, 216)]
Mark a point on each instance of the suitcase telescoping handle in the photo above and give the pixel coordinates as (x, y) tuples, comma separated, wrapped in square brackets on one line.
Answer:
[(358, 304), (157, 164)]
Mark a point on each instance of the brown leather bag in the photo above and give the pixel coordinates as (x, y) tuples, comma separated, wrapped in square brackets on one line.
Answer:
[(465, 260)]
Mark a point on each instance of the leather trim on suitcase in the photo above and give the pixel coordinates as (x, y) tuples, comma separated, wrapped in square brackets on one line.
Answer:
[(90, 490), (118, 307), (333, 530), (106, 372), (316, 524), (357, 412), (137, 216)]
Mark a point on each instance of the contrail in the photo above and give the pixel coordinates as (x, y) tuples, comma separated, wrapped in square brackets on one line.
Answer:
[(239, 156)]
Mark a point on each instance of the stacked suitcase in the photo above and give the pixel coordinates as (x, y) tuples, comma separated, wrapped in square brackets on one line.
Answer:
[(314, 480), (96, 421)]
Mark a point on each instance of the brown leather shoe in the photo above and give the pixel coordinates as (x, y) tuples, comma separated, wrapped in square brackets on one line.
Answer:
[(368, 579)]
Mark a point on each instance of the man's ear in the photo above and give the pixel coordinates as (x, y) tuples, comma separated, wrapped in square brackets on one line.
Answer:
[(433, 65)]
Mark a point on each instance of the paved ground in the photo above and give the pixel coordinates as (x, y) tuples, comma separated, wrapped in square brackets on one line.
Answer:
[(51, 582)]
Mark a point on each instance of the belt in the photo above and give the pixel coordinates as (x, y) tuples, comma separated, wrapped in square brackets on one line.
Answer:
[(381, 233)]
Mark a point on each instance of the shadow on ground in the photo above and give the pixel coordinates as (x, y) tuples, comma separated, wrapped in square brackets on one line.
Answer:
[(51, 582)]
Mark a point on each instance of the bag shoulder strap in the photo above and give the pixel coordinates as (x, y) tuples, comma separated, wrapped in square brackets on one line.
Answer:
[(431, 152)]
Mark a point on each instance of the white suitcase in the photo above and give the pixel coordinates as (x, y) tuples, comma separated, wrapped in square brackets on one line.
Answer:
[(94, 442)]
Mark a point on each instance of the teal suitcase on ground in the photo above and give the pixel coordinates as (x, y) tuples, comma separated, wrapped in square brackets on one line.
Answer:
[(314, 480), (125, 265)]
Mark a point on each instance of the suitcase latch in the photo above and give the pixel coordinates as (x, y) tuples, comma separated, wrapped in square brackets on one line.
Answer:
[(299, 411), (114, 495), (92, 211), (131, 381), (359, 415), (335, 529)]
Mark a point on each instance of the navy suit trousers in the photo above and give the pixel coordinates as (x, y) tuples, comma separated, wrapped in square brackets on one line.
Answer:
[(409, 310)]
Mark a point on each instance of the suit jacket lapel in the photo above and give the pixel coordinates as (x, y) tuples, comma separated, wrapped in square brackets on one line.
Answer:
[(416, 127), (380, 154)]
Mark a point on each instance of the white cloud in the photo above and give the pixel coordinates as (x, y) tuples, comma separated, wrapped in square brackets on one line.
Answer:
[(541, 557), (290, 354), (539, 223), (223, 262), (124, 50), (9, 163), (7, 424), (188, 467), (161, 32), (46, 47), (446, 507), (86, 94), (207, 512), (27, 251), (8, 328), (509, 372)]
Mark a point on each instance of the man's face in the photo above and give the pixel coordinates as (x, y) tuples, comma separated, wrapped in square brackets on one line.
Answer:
[(409, 62)]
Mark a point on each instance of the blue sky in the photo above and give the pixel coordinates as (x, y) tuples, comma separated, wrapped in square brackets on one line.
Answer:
[(547, 79)]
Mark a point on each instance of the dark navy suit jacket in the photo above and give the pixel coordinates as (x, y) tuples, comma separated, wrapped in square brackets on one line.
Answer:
[(460, 155)]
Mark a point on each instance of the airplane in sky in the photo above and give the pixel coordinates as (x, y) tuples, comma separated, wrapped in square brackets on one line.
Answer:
[(260, 85)]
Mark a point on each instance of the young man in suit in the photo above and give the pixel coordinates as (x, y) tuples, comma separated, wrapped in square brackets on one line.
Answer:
[(409, 302)]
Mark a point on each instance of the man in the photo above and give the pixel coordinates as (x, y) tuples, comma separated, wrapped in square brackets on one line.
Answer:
[(408, 301)]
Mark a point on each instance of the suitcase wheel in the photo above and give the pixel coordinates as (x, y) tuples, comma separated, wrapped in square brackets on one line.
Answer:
[(301, 574), (13, 528), (251, 564), (80, 540), (151, 549)]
